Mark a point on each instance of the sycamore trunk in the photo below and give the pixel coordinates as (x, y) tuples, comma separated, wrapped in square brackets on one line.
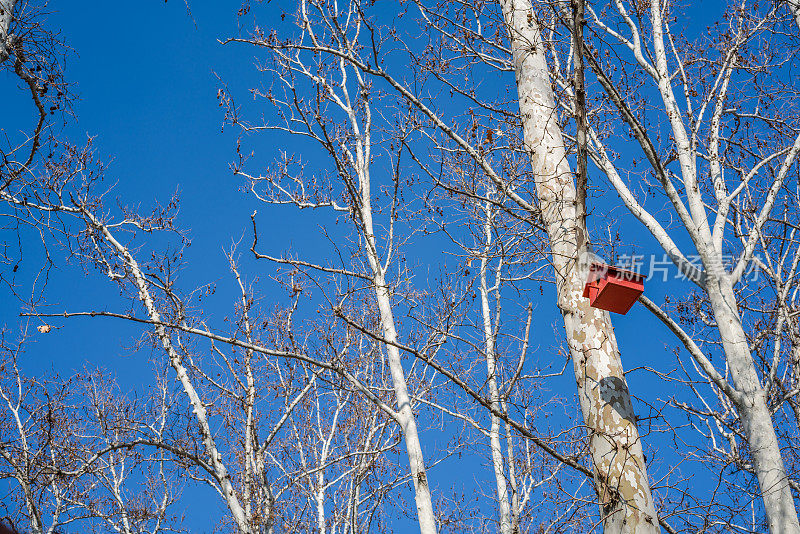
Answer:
[(621, 474)]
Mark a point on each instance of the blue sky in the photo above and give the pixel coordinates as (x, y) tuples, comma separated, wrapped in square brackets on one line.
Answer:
[(146, 76)]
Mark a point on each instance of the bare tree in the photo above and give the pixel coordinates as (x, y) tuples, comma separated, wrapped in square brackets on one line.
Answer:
[(37, 425), (325, 61), (73, 458), (33, 53), (722, 171), (74, 213), (618, 460), (502, 261), (349, 145), (133, 479), (322, 410)]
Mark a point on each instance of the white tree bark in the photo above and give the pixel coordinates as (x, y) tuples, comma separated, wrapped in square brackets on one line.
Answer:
[(753, 410), (516, 507), (214, 457), (360, 161), (794, 5), (20, 473), (747, 392), (621, 474), (6, 9), (357, 158), (416, 460), (504, 506)]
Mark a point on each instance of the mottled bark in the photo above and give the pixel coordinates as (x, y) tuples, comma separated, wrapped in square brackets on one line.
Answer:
[(621, 474), (694, 212), (6, 9)]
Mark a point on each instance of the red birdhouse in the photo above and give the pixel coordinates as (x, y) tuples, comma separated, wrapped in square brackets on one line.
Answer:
[(612, 288)]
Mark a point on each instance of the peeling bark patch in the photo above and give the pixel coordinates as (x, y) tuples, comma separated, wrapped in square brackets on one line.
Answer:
[(614, 392), (618, 461)]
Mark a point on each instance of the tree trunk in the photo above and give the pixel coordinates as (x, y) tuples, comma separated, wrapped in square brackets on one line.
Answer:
[(794, 5), (214, 458), (620, 471), (319, 497), (6, 9), (416, 460), (756, 419), (504, 507), (795, 338)]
